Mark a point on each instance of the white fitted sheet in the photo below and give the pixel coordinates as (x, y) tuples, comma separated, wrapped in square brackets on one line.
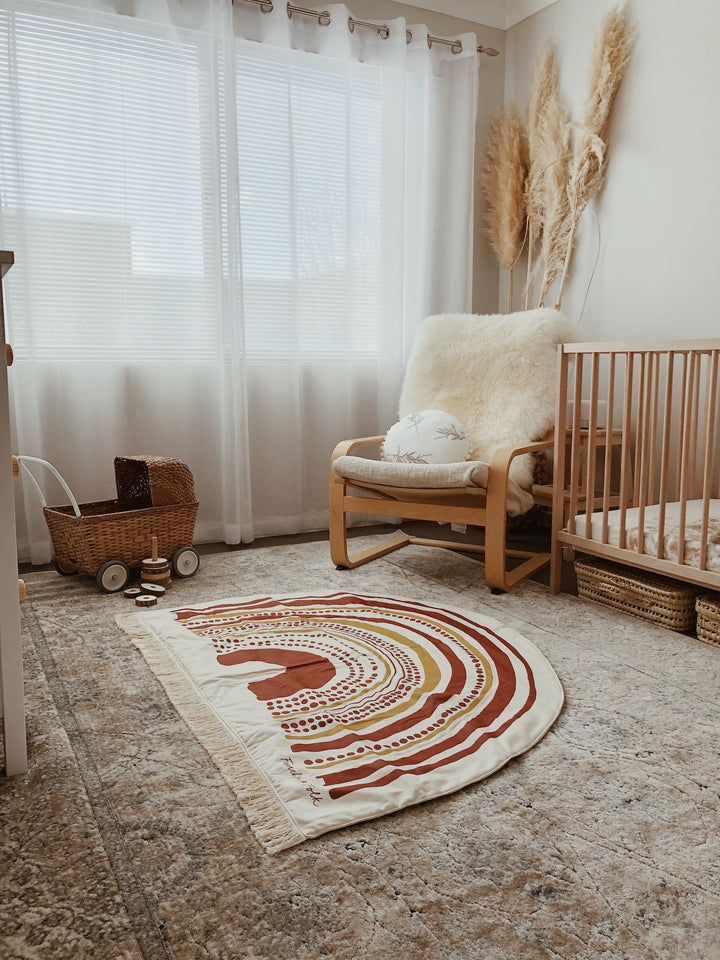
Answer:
[(693, 529)]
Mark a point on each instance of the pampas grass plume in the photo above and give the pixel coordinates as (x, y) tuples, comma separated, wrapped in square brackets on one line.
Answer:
[(503, 183), (610, 56), (543, 84), (547, 146), (557, 216)]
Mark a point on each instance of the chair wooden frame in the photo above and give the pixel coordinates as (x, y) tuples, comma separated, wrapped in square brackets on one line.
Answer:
[(467, 505)]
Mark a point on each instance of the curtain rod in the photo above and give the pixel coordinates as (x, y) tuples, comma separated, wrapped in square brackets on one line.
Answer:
[(383, 30), (323, 17)]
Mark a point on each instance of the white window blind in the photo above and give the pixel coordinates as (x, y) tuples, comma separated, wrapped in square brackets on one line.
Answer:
[(111, 138), (102, 190)]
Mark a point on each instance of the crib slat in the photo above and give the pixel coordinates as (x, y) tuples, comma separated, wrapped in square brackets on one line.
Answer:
[(642, 450), (591, 447), (625, 444), (653, 430), (607, 478), (667, 424), (575, 445), (681, 425), (685, 452), (692, 465), (708, 453), (640, 428)]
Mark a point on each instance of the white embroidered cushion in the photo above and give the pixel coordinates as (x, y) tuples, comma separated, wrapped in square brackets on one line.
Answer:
[(430, 436)]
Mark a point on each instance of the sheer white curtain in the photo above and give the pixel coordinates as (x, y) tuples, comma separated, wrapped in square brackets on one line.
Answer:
[(227, 225)]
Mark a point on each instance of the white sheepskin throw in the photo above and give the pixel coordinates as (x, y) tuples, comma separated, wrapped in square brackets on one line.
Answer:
[(496, 374)]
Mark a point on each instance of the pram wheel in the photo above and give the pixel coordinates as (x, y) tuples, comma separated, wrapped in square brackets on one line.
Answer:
[(112, 576), (185, 562), (63, 570)]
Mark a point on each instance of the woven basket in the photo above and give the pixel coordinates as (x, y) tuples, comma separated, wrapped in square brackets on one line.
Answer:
[(645, 595), (708, 618)]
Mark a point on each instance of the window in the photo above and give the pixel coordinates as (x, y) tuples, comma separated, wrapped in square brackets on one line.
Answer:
[(115, 176)]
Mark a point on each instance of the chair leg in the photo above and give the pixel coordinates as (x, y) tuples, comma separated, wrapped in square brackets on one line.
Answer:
[(495, 559), (337, 523), (338, 532), (497, 576)]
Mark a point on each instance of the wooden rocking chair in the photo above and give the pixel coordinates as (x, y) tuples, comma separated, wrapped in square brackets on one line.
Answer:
[(497, 375)]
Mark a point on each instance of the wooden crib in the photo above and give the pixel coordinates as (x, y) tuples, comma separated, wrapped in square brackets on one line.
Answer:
[(636, 467)]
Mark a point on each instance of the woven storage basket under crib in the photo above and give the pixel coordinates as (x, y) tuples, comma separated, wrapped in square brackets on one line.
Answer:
[(708, 618), (642, 594)]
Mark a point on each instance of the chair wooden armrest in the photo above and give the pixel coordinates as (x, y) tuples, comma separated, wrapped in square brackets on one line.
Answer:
[(346, 447), (501, 460), (499, 473), (503, 456)]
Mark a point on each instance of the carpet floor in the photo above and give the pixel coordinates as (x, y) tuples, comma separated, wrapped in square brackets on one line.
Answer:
[(602, 842)]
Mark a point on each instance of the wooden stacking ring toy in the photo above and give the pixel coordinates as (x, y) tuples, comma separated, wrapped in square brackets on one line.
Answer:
[(145, 600), (155, 569), (154, 589)]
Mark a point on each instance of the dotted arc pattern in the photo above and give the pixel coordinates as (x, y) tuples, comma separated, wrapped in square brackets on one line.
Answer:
[(369, 690)]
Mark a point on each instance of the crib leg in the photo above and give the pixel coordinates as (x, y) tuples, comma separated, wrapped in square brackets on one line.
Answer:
[(556, 559)]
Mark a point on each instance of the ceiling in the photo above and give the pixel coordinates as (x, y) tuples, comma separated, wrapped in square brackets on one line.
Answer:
[(491, 13)]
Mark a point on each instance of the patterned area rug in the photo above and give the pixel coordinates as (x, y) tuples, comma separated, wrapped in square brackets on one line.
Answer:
[(327, 710), (125, 842)]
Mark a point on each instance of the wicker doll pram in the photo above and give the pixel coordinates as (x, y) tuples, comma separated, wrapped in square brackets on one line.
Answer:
[(106, 539)]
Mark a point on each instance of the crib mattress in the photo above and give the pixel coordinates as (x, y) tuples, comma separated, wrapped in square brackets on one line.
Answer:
[(693, 528)]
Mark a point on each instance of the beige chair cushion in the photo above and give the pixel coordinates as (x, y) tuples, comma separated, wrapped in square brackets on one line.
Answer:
[(437, 476)]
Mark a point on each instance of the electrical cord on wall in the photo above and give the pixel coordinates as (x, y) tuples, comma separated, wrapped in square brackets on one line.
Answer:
[(595, 263), (592, 273)]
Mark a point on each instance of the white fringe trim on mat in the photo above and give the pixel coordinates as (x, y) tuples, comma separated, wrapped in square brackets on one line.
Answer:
[(265, 813)]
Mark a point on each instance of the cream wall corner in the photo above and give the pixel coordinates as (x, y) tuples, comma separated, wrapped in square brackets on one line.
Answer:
[(657, 273)]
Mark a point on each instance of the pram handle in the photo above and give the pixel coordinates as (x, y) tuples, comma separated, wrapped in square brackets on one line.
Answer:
[(22, 459)]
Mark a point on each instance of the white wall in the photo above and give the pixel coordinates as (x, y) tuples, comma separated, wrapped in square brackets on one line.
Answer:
[(658, 273)]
